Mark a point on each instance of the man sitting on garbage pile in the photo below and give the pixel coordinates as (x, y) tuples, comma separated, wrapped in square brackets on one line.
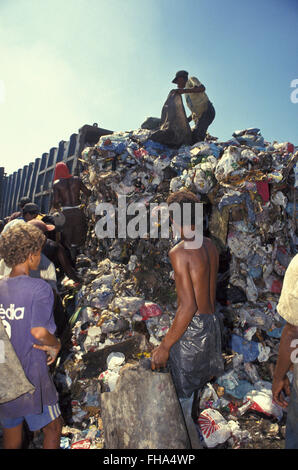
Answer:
[(203, 112), (66, 196), (288, 354), (193, 342), (27, 315)]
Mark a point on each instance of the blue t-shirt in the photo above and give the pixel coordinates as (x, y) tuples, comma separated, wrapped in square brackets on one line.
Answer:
[(27, 303)]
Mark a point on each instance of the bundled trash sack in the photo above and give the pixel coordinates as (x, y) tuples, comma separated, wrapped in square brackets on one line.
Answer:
[(13, 382), (127, 301), (200, 344), (174, 129)]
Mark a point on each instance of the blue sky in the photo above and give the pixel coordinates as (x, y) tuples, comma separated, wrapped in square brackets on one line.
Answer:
[(66, 64)]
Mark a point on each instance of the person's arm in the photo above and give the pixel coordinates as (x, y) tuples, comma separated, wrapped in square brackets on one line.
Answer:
[(195, 89), (43, 325), (280, 381), (49, 343), (187, 307)]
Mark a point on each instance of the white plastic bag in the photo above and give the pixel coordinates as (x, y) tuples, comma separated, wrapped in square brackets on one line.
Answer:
[(262, 402), (214, 428)]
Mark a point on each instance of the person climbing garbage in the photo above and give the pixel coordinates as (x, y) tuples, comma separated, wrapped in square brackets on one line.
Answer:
[(66, 197), (202, 110)]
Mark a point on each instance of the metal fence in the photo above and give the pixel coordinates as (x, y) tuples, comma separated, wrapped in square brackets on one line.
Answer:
[(35, 179)]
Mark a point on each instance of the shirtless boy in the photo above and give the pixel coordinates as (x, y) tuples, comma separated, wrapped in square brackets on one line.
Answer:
[(193, 343)]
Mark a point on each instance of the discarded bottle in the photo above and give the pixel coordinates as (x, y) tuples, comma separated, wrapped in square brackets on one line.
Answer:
[(242, 409)]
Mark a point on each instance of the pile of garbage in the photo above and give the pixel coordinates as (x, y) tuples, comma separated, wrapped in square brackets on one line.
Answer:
[(128, 300)]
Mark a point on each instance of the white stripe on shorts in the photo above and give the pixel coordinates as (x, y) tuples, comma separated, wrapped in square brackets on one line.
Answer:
[(51, 413), (58, 410)]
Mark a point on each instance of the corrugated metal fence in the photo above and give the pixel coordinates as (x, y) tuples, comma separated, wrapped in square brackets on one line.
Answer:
[(35, 179)]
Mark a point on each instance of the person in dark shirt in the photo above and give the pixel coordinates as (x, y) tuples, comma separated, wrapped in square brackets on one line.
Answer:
[(66, 197), (56, 252)]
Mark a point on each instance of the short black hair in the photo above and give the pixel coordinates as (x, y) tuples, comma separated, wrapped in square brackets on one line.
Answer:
[(30, 208)]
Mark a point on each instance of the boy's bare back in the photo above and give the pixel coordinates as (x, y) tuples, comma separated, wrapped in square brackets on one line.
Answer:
[(202, 267)]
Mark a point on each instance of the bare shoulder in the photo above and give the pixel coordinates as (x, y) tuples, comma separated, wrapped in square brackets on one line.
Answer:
[(210, 244), (176, 250)]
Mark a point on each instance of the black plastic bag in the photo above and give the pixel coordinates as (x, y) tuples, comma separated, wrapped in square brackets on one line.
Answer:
[(196, 357), (174, 130)]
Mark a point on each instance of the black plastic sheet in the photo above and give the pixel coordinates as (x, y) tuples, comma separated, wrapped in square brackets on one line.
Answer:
[(196, 357)]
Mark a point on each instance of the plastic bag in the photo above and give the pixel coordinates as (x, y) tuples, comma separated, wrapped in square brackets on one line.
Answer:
[(233, 385), (249, 349), (13, 382), (262, 402), (174, 130), (150, 310), (196, 357), (202, 175), (84, 444), (214, 428), (115, 361), (151, 123), (252, 372)]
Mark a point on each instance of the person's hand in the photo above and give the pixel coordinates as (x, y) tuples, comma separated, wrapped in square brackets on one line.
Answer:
[(52, 351), (159, 357), (279, 386)]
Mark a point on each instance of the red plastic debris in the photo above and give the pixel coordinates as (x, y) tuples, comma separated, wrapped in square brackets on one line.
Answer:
[(150, 310), (84, 444)]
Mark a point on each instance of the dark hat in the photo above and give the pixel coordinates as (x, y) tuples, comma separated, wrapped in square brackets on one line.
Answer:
[(31, 207), (181, 73), (23, 201)]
